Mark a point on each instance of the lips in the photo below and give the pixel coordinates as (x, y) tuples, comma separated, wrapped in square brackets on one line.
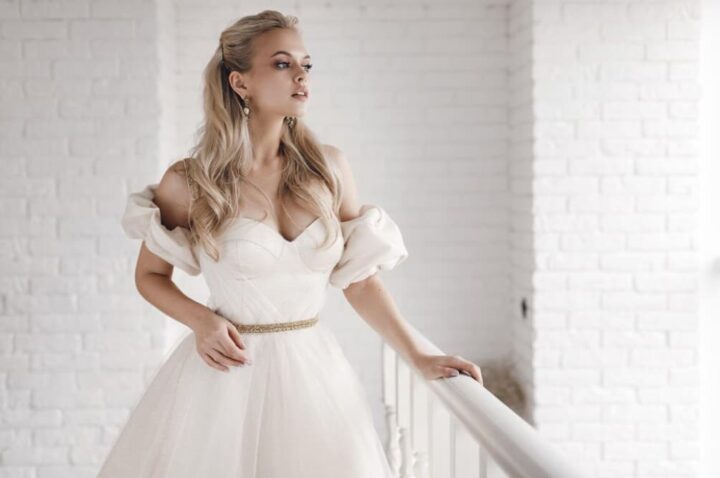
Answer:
[(297, 95)]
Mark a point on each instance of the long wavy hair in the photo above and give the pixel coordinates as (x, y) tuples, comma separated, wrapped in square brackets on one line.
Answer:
[(219, 161)]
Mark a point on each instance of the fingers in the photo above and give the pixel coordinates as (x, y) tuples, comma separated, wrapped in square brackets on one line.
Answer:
[(470, 368), (218, 360), (448, 372), (235, 336), (223, 360), (231, 346), (221, 346), (228, 359), (214, 363), (474, 372), (229, 349)]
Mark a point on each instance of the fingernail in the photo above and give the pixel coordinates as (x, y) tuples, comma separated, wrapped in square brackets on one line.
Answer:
[(454, 374)]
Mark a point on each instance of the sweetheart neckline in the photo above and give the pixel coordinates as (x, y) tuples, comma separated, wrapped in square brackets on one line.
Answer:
[(275, 231)]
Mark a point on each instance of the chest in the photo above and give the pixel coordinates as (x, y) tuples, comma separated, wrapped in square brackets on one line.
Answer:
[(261, 202), (251, 249)]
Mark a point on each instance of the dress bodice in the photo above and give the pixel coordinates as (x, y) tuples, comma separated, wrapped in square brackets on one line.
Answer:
[(262, 277)]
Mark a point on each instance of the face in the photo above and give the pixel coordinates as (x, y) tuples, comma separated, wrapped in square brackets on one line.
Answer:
[(275, 76)]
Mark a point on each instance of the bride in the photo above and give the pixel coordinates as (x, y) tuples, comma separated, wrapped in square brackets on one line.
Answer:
[(259, 387)]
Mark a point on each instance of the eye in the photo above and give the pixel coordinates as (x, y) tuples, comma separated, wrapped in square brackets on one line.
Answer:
[(308, 66)]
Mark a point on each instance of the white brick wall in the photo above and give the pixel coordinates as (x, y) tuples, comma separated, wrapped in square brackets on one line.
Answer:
[(520, 210), (614, 200), (709, 226), (79, 130), (540, 149)]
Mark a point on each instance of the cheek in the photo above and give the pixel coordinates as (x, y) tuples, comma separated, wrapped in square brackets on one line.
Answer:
[(272, 90)]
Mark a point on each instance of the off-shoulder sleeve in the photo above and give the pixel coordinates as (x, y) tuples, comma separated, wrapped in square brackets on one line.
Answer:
[(373, 242), (141, 220)]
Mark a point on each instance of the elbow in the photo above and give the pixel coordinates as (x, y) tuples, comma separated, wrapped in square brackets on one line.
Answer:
[(140, 279)]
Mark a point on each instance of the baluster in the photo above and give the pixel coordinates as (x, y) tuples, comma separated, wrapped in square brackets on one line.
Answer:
[(422, 467), (494, 470), (404, 404), (466, 453), (392, 444), (420, 414), (404, 410), (440, 450), (389, 357), (420, 425), (483, 461), (408, 460)]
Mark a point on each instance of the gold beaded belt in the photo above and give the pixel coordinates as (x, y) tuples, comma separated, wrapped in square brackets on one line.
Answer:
[(275, 327)]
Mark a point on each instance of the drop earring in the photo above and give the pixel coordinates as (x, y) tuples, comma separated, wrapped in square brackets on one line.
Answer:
[(245, 108)]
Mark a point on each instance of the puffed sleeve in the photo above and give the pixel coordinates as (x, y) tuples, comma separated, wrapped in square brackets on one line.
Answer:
[(373, 242), (141, 220)]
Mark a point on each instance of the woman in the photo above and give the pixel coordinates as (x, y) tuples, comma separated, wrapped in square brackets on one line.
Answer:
[(260, 388)]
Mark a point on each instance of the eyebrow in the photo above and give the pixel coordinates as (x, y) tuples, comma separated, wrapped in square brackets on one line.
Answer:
[(286, 53)]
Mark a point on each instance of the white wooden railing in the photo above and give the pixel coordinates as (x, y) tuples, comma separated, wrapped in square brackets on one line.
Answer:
[(455, 428)]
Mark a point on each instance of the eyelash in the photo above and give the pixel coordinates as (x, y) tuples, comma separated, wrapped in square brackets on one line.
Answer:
[(309, 65)]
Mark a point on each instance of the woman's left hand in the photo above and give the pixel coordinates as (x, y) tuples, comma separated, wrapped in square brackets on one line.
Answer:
[(440, 366)]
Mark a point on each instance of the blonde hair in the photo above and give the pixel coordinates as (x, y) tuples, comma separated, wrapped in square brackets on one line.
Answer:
[(220, 159)]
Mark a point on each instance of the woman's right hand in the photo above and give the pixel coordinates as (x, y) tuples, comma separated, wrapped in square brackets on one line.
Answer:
[(219, 344)]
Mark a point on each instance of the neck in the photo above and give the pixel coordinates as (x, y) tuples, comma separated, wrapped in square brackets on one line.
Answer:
[(265, 139)]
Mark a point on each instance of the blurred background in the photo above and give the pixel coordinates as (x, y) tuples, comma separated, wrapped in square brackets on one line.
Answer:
[(554, 166)]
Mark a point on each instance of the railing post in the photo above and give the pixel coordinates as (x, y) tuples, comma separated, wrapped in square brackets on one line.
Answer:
[(466, 453), (420, 414), (511, 446), (439, 440), (422, 467), (392, 444), (483, 460), (408, 460)]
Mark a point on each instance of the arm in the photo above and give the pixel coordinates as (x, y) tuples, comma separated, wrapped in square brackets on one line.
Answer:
[(153, 275), (373, 302), (218, 341)]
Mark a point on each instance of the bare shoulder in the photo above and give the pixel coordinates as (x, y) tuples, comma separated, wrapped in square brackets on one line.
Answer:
[(172, 196), (336, 157), (350, 205)]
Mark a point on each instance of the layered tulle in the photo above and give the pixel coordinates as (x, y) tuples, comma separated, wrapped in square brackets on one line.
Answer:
[(298, 411)]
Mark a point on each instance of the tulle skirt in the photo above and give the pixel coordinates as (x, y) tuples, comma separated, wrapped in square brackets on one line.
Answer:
[(298, 411)]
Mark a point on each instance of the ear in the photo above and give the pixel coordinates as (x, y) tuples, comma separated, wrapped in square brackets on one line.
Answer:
[(238, 83)]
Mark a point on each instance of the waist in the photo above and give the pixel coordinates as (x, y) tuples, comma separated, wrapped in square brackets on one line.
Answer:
[(275, 327)]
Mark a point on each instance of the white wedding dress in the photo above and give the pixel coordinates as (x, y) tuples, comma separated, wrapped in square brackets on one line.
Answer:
[(299, 410)]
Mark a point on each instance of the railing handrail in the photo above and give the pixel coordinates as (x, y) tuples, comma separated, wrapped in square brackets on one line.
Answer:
[(514, 444)]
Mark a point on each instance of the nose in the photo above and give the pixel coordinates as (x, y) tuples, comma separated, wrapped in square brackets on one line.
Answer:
[(301, 74)]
